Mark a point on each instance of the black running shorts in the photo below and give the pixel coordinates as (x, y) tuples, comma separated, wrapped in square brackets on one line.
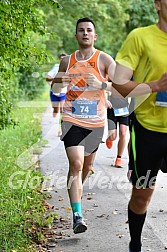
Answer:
[(148, 155), (74, 135), (114, 120)]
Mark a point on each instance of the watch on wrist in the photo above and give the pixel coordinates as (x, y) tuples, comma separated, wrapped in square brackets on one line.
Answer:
[(103, 85)]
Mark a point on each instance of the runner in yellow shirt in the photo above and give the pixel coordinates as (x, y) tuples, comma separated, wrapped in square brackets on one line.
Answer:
[(143, 55)]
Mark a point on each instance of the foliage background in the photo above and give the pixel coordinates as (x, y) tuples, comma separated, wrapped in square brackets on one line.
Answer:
[(33, 33)]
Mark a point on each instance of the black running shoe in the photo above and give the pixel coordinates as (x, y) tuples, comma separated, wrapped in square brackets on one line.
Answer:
[(79, 225)]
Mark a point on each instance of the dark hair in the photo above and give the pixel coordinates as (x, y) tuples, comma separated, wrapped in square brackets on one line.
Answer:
[(62, 54), (85, 19)]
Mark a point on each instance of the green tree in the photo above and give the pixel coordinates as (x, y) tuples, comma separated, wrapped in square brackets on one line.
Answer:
[(114, 19), (34, 32), (20, 20), (110, 18), (141, 13)]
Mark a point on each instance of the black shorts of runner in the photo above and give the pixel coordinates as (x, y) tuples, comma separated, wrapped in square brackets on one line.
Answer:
[(114, 120), (151, 155), (74, 135)]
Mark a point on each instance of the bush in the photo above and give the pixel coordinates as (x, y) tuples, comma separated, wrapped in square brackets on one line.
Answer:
[(31, 83)]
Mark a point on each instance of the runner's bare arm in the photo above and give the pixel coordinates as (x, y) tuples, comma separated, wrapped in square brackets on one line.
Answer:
[(61, 80), (107, 65), (122, 83)]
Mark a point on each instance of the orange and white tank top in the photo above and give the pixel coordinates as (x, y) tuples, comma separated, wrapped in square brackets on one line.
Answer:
[(84, 105)]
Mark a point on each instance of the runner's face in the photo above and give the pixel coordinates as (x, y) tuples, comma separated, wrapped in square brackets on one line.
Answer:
[(86, 34)]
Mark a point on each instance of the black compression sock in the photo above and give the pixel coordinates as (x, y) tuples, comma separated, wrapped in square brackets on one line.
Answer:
[(136, 222)]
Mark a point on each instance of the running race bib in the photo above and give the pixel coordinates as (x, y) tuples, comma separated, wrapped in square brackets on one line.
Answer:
[(121, 111), (84, 108), (161, 99)]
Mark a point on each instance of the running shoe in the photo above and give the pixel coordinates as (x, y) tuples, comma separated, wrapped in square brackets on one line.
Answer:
[(118, 163), (79, 225), (109, 143)]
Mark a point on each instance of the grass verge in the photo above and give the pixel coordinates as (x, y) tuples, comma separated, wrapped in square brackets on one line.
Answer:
[(21, 207)]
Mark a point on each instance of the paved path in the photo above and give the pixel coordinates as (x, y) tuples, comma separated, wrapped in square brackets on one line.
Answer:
[(104, 203)]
